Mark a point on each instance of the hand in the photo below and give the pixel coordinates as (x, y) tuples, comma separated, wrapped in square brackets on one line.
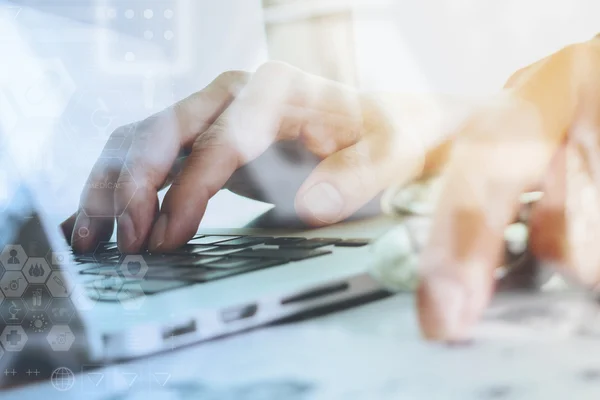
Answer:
[(542, 133), (199, 144)]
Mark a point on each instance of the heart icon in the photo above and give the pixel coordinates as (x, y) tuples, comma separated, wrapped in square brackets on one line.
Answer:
[(134, 267)]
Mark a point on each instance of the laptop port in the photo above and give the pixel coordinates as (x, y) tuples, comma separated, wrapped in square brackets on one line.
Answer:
[(316, 293), (238, 313), (180, 330)]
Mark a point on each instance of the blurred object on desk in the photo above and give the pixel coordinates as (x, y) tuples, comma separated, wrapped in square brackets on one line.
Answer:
[(316, 36)]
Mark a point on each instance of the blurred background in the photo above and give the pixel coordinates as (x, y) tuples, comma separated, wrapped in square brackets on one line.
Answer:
[(78, 69)]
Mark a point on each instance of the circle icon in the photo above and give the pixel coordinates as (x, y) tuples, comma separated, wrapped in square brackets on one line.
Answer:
[(38, 322), (83, 232), (62, 379)]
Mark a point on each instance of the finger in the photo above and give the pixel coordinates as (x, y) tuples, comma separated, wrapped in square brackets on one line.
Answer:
[(348, 179), (155, 149), (566, 222), (548, 219), (67, 227), (283, 103), (275, 105), (503, 151), (95, 219)]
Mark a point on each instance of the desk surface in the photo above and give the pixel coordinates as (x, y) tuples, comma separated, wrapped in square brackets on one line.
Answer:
[(530, 348)]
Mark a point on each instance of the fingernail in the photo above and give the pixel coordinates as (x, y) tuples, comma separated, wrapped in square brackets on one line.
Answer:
[(159, 231), (81, 229), (324, 202), (442, 304), (126, 235)]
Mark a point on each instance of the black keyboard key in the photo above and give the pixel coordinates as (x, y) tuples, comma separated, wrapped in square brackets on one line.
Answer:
[(281, 254), (211, 239), (189, 249), (176, 261), (110, 247), (282, 241), (245, 241), (221, 251), (169, 273), (251, 265), (312, 243), (112, 282), (353, 243), (85, 258), (154, 286), (229, 263), (112, 296), (108, 270)]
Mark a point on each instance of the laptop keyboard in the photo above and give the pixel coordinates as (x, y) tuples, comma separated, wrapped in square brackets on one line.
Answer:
[(116, 277)]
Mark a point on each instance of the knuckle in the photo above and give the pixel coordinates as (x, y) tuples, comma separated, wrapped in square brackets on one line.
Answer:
[(231, 76), (212, 138), (273, 69), (231, 80)]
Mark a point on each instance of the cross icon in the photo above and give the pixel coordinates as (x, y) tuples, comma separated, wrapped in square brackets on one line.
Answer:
[(36, 372), (12, 372)]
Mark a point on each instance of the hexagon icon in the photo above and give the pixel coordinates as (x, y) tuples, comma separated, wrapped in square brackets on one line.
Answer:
[(13, 311), (37, 297), (46, 92), (104, 183), (36, 270), (38, 322), (60, 338), (132, 297), (13, 338), (60, 258), (112, 283), (134, 266), (61, 310), (13, 257), (13, 283), (60, 284)]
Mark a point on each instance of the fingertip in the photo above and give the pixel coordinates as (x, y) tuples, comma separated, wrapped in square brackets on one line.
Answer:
[(320, 204), (159, 231), (441, 307), (170, 232), (88, 232), (451, 298)]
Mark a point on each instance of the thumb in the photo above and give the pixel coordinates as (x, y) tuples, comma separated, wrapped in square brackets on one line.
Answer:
[(348, 179)]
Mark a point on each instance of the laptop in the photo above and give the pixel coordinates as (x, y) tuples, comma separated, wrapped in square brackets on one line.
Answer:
[(61, 309)]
